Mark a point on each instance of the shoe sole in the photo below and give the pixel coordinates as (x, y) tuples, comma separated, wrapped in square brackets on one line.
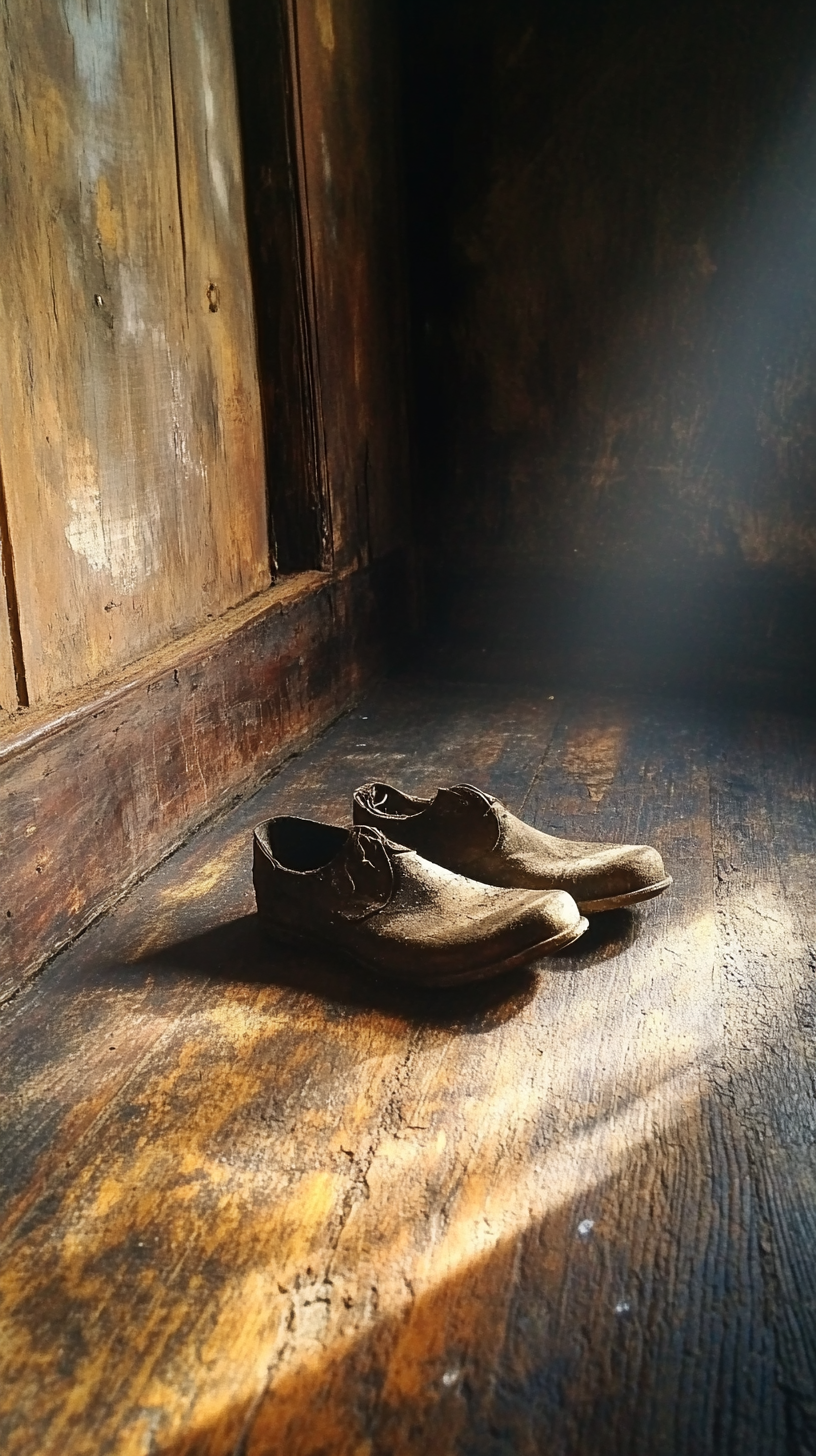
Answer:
[(301, 941), (619, 902)]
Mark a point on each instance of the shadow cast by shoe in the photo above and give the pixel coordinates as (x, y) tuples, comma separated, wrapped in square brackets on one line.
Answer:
[(608, 935), (240, 950)]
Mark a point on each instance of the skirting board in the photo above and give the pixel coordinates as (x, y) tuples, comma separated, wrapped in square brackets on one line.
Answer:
[(96, 795)]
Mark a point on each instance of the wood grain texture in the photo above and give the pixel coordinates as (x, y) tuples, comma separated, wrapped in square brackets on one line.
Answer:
[(254, 1204), (765, 855), (130, 434), (92, 799)]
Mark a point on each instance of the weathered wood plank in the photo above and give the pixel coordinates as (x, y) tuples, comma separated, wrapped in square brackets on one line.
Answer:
[(91, 800), (676, 1267), (130, 432), (340, 1216), (219, 315), (70, 1020), (8, 686), (497, 1325), (763, 792)]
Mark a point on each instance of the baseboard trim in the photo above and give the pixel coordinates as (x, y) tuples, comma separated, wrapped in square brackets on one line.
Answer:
[(96, 793)]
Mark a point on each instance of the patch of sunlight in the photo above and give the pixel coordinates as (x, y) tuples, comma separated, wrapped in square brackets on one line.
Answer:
[(300, 1220), (203, 880), (592, 755)]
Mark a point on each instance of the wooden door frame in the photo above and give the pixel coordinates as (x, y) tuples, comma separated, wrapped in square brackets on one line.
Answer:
[(307, 293), (268, 73)]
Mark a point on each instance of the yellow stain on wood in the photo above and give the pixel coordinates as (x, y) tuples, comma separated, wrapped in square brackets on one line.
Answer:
[(325, 24), (180, 1186), (206, 877), (108, 217)]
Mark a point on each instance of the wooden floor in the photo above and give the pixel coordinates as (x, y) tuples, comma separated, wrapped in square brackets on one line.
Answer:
[(251, 1205)]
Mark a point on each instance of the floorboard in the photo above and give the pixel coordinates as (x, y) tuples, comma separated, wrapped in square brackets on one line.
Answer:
[(252, 1204)]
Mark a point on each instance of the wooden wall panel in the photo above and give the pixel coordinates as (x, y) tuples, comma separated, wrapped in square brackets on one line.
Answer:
[(613, 240), (130, 436), (347, 75)]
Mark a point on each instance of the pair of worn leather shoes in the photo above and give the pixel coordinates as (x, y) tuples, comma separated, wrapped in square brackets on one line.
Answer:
[(440, 891)]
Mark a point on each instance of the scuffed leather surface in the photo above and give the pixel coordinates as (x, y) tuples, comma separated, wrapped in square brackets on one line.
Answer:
[(471, 833), (397, 913)]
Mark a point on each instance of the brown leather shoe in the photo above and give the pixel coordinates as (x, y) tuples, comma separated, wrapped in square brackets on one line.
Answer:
[(472, 834), (352, 890)]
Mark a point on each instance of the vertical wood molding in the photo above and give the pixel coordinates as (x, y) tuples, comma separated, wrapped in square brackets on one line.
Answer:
[(13, 688), (318, 90), (281, 255), (345, 110), (309, 313)]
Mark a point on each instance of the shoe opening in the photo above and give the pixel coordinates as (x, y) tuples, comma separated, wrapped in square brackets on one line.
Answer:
[(389, 801), (304, 844)]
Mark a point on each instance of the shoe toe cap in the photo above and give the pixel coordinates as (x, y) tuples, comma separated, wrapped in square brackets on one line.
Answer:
[(541, 914), (645, 867), (629, 871)]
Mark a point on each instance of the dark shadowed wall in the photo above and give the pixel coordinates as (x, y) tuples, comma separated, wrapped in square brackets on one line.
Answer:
[(613, 240)]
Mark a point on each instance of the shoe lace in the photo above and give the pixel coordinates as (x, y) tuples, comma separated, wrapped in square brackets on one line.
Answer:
[(369, 850)]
